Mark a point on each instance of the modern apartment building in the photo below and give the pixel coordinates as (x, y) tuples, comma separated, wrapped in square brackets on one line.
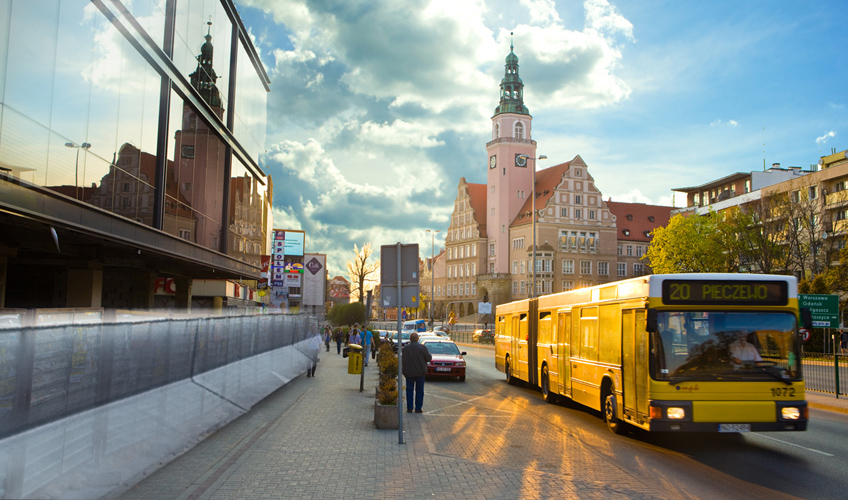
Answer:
[(129, 150)]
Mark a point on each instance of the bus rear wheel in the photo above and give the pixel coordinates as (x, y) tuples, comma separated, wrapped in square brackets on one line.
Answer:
[(509, 378), (611, 413), (546, 386)]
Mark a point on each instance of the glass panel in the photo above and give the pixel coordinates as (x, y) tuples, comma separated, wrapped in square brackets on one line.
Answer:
[(191, 26), (251, 100), (150, 14), (247, 203), (194, 192), (29, 75), (726, 346)]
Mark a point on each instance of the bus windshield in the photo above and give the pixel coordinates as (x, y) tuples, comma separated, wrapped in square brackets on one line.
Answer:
[(728, 346)]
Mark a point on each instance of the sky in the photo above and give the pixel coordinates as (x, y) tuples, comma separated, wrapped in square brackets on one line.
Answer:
[(378, 107)]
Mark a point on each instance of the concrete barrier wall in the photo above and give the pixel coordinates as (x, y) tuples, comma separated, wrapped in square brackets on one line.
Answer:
[(87, 409)]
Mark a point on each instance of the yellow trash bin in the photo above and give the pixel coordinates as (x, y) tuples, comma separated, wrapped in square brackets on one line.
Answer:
[(354, 359)]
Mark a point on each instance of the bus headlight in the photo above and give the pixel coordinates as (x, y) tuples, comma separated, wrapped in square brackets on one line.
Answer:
[(790, 413), (675, 413)]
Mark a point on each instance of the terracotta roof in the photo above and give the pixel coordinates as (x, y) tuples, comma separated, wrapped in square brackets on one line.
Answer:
[(477, 198), (546, 182), (634, 220)]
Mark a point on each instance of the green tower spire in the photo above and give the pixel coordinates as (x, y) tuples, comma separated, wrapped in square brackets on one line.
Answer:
[(512, 88)]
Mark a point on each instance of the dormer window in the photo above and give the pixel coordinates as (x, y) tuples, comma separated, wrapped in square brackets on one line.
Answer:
[(629, 217), (647, 234), (651, 218), (626, 232)]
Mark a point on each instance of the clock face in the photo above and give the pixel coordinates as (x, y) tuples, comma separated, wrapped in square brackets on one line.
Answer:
[(520, 160), (493, 160)]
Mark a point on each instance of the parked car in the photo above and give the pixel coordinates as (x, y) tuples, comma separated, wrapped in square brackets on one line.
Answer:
[(404, 339), (447, 360), (441, 334), (483, 336)]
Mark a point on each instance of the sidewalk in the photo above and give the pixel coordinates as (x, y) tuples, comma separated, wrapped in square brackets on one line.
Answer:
[(315, 438), (827, 402)]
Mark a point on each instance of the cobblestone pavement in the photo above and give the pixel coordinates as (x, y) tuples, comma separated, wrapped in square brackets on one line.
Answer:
[(315, 438)]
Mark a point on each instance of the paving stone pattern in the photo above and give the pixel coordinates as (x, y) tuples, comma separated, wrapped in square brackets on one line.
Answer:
[(315, 438)]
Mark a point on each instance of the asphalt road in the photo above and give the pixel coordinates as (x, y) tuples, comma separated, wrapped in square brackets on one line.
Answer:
[(520, 429)]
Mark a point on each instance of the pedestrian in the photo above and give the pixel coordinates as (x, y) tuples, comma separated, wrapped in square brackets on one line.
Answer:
[(354, 337), (313, 346), (339, 340), (843, 344), (367, 337), (375, 345), (415, 357), (327, 336)]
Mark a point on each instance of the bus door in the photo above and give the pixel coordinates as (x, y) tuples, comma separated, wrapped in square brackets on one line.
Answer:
[(513, 345), (523, 349), (563, 352), (549, 333), (634, 364)]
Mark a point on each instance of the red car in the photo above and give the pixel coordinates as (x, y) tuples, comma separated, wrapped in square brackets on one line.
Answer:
[(447, 360)]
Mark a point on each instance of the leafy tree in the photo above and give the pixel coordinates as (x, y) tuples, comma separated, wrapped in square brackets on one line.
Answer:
[(360, 272), (694, 244), (347, 314), (759, 243)]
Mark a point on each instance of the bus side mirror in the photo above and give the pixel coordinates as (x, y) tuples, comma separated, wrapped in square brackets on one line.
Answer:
[(806, 318), (651, 325)]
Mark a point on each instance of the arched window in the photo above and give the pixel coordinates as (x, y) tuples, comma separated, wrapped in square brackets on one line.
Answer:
[(519, 130), (497, 130)]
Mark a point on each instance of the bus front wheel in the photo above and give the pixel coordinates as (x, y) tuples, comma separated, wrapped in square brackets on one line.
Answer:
[(611, 413)]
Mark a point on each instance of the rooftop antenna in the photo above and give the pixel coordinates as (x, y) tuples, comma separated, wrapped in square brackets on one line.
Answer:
[(764, 148)]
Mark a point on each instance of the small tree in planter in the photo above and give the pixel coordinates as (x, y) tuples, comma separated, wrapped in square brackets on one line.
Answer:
[(387, 361), (385, 408)]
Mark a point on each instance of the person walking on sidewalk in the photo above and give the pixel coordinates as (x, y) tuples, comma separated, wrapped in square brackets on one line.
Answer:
[(339, 340), (415, 357), (354, 337), (328, 332), (366, 344), (313, 346)]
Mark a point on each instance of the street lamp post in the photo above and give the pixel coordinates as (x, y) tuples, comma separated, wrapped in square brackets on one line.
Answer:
[(533, 284), (432, 272), (84, 145)]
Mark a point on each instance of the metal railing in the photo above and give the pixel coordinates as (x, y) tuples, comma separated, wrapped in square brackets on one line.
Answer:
[(825, 372)]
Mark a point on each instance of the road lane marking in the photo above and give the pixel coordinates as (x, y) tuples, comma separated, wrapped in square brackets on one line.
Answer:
[(797, 445)]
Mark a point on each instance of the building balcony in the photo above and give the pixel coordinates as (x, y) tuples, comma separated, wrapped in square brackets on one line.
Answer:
[(501, 140), (835, 200)]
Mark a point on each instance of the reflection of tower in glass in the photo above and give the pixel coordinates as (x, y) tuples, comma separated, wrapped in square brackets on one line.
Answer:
[(198, 167)]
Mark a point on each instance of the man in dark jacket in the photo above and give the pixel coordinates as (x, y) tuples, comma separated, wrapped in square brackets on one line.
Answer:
[(415, 357)]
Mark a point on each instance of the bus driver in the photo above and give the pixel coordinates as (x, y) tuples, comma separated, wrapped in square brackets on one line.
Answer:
[(742, 351)]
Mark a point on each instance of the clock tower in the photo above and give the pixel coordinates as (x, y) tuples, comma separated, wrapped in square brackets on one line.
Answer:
[(509, 176)]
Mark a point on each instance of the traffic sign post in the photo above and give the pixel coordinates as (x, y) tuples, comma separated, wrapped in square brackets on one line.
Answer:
[(824, 309)]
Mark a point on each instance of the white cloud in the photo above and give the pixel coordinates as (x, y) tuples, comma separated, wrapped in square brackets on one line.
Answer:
[(399, 133), (728, 123), (823, 139)]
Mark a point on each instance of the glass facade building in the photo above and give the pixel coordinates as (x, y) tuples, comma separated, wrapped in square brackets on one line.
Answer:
[(130, 135)]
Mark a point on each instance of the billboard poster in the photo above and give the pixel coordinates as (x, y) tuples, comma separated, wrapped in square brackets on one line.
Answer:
[(314, 279), (294, 243), (292, 280)]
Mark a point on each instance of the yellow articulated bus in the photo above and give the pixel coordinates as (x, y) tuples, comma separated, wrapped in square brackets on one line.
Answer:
[(668, 353)]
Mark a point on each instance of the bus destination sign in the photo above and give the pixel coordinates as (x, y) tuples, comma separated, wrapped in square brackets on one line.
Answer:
[(726, 293)]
